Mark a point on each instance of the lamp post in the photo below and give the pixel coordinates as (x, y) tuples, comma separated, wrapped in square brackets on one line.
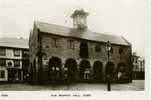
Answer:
[(108, 48)]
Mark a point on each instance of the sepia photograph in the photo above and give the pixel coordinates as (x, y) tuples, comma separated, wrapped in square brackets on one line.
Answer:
[(74, 45)]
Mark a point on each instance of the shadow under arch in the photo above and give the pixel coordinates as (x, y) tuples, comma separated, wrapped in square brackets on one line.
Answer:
[(55, 69), (32, 73), (84, 70), (97, 71), (70, 70), (110, 70), (122, 75)]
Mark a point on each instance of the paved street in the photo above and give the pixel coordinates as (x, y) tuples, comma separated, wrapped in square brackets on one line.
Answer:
[(137, 85)]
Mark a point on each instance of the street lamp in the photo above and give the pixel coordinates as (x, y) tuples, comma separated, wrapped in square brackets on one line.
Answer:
[(108, 48)]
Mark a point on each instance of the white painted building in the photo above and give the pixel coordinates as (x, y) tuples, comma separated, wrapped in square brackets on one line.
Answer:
[(14, 53), (138, 67)]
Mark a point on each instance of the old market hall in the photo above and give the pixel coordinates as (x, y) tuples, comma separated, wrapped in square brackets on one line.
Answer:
[(62, 54)]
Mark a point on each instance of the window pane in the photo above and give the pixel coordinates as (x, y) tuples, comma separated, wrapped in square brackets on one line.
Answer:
[(16, 63), (16, 52), (2, 52), (2, 62), (70, 44), (2, 74), (25, 54), (55, 42), (98, 48)]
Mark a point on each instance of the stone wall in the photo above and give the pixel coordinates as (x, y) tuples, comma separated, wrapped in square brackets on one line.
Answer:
[(63, 52)]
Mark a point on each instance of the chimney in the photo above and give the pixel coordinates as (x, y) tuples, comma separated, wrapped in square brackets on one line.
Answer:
[(80, 19)]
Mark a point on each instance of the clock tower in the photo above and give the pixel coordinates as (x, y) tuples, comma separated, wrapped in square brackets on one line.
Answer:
[(80, 19)]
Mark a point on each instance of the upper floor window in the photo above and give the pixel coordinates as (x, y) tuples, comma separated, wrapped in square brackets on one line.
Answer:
[(2, 52), (136, 60), (55, 42), (112, 50), (2, 62), (98, 48), (84, 53), (16, 52), (70, 44), (2, 74), (25, 54), (121, 50), (16, 63)]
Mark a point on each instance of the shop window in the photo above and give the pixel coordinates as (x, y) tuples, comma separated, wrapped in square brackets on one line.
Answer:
[(16, 52), (2, 52), (2, 74), (2, 62), (16, 63), (25, 63)]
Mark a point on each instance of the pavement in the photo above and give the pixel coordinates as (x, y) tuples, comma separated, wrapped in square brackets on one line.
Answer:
[(136, 85)]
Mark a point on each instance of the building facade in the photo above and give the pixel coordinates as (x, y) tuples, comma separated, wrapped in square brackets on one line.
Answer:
[(138, 67), (14, 59), (59, 53)]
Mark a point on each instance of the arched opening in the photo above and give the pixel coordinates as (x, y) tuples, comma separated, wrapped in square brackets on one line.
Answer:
[(55, 69), (70, 70), (122, 73), (97, 71), (84, 70), (109, 70), (84, 50)]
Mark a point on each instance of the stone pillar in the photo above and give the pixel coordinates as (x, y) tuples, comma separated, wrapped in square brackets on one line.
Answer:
[(22, 76)]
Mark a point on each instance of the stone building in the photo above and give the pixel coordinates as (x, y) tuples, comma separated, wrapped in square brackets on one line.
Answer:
[(14, 59), (77, 54), (138, 67)]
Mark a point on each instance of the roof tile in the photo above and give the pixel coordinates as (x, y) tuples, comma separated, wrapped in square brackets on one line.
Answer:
[(14, 42), (83, 34)]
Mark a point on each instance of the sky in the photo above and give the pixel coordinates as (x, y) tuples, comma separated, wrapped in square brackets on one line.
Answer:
[(128, 18)]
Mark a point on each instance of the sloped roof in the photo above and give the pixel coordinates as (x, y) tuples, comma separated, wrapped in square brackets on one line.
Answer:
[(14, 42), (72, 32)]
